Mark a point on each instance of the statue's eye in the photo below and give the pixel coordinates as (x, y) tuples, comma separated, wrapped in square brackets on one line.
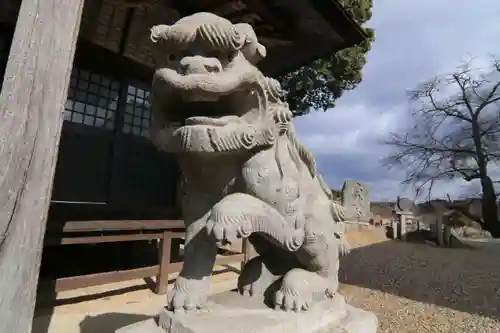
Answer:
[(172, 57), (230, 57)]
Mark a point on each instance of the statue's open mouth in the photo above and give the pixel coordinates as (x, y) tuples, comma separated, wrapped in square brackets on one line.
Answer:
[(205, 112), (216, 113)]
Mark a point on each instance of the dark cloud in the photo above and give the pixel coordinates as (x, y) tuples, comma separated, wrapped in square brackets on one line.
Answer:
[(414, 41)]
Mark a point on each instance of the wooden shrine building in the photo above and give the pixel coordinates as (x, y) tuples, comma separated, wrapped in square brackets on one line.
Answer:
[(75, 114)]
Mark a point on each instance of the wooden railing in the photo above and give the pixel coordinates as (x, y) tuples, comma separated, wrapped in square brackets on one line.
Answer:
[(169, 233)]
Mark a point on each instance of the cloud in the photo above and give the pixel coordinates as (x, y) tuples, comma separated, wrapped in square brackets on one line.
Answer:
[(415, 40)]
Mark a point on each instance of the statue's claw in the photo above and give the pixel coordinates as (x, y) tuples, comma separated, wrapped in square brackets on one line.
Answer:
[(185, 296), (289, 301), (299, 289), (183, 301), (228, 231)]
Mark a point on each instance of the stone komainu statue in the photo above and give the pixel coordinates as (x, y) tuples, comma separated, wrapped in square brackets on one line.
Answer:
[(244, 172)]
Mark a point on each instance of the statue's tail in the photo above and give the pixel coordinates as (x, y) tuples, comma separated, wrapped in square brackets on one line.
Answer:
[(338, 211), (338, 214)]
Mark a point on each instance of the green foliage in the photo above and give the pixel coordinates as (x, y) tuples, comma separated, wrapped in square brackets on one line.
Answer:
[(319, 84)]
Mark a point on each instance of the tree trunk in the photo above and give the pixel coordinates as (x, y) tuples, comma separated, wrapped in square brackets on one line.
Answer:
[(31, 115), (489, 207), (489, 202)]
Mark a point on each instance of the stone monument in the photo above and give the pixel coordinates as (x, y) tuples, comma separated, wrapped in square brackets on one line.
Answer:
[(404, 209), (245, 174), (356, 200)]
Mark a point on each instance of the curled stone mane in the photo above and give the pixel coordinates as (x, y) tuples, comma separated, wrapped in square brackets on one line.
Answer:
[(211, 31), (274, 90), (283, 117), (307, 157)]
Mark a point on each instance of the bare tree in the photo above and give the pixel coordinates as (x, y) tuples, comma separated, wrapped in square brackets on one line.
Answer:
[(454, 133)]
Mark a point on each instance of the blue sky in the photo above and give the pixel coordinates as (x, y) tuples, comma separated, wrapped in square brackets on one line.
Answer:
[(415, 40)]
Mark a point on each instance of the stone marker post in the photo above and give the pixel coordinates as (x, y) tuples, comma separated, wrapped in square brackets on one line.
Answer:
[(439, 230), (395, 228), (402, 223), (447, 235)]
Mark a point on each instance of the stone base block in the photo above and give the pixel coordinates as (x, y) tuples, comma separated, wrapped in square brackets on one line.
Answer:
[(231, 313)]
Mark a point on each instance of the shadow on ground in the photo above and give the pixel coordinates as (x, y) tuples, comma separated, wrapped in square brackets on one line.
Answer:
[(109, 322), (460, 279), (47, 301)]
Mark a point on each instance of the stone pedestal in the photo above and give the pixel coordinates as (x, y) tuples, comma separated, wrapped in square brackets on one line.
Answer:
[(402, 225), (231, 313), (395, 229)]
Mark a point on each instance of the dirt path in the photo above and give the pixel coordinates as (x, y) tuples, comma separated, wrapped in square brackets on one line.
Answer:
[(411, 288), (420, 288)]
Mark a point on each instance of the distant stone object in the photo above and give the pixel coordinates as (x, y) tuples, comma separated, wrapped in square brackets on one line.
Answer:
[(356, 200), (471, 232), (458, 219), (404, 205), (476, 208), (440, 206)]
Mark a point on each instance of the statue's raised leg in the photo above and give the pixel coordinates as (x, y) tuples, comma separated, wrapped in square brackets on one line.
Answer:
[(318, 279), (256, 278), (238, 215)]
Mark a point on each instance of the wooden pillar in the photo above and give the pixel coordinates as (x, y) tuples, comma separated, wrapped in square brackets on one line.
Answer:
[(164, 263), (31, 115)]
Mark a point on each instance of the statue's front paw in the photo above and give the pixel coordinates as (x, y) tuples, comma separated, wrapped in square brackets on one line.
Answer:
[(188, 295)]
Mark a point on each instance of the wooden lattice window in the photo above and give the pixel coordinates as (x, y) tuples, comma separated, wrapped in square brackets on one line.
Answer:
[(137, 118), (92, 99)]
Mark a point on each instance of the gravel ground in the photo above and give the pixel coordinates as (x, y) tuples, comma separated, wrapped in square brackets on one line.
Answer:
[(420, 288)]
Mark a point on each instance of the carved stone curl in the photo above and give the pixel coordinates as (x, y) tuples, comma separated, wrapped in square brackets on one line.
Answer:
[(245, 173)]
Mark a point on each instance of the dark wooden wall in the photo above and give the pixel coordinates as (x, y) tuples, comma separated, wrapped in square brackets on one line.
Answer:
[(105, 154), (6, 33), (107, 167)]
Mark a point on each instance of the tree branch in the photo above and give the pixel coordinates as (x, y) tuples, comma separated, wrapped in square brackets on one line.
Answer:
[(465, 99)]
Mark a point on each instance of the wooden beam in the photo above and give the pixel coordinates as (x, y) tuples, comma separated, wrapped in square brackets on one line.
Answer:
[(97, 279), (31, 115), (101, 239), (117, 225)]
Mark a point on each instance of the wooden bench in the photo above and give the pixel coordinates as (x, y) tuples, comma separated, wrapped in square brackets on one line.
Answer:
[(170, 234)]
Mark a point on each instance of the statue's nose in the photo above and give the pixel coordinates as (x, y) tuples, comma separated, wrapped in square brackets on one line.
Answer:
[(198, 64)]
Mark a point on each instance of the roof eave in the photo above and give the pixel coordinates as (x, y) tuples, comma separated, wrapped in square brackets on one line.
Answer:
[(342, 22)]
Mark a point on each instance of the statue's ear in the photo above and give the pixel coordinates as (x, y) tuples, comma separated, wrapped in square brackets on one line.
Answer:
[(261, 50), (254, 51)]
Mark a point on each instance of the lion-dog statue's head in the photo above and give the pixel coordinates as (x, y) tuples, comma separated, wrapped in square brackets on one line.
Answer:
[(208, 95)]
